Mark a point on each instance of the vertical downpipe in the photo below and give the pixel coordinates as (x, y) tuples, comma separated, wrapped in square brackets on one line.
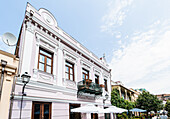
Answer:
[(3, 64)]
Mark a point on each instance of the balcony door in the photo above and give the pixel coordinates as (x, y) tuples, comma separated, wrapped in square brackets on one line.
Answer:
[(41, 110)]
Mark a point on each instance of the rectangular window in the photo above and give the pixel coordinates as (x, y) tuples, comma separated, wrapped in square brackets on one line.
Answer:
[(45, 62), (85, 74), (105, 84), (96, 79), (41, 110), (69, 71)]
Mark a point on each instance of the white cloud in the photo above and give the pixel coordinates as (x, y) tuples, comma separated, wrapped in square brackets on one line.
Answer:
[(118, 35), (116, 15), (145, 61)]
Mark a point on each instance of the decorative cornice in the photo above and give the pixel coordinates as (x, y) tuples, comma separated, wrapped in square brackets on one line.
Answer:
[(43, 99), (54, 34), (34, 85)]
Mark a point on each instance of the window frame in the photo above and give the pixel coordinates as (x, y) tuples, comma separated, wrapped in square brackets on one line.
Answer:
[(45, 60), (69, 74)]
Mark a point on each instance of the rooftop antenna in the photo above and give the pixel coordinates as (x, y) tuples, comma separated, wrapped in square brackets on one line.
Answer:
[(9, 39)]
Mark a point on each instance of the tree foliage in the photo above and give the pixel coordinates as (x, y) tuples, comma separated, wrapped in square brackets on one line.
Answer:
[(167, 107), (149, 102), (118, 101)]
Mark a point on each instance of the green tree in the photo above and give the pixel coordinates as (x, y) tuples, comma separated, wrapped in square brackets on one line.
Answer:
[(118, 101), (167, 107), (148, 102)]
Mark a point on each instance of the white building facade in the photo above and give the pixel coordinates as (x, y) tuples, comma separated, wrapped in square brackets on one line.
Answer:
[(64, 74)]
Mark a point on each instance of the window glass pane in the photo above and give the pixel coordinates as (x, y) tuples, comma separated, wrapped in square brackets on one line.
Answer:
[(67, 69), (71, 77), (42, 58), (87, 77), (37, 111), (49, 61), (46, 111), (71, 71), (45, 53), (83, 76), (67, 76), (48, 69), (41, 66)]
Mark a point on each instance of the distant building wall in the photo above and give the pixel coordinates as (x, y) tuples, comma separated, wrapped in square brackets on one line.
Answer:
[(10, 70)]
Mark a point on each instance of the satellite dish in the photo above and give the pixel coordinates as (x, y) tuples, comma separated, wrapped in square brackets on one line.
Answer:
[(9, 39)]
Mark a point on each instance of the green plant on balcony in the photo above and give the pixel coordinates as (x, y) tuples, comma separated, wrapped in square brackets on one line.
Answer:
[(87, 86)]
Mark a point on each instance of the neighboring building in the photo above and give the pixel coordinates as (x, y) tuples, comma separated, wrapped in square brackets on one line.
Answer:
[(140, 90), (136, 94), (163, 97), (124, 92), (64, 74), (8, 71)]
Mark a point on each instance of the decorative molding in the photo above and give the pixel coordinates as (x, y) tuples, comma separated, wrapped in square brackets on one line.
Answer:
[(85, 65), (29, 26), (69, 84), (36, 85), (46, 41), (60, 46), (35, 73), (48, 17), (96, 70), (70, 57), (45, 77), (43, 99)]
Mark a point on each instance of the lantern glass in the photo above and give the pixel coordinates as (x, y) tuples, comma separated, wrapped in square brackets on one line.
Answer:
[(25, 77), (106, 96)]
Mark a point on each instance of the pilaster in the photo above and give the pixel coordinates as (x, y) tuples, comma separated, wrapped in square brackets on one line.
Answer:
[(27, 48), (60, 65)]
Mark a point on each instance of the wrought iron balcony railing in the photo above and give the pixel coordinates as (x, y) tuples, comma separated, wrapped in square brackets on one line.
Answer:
[(87, 86)]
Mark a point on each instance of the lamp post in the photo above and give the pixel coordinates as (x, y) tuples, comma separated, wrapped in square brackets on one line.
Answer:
[(106, 97), (25, 79)]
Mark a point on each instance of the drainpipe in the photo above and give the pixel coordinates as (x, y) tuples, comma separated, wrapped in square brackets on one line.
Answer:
[(12, 96), (3, 64)]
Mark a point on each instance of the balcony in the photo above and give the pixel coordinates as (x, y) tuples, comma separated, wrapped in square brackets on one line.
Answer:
[(87, 86)]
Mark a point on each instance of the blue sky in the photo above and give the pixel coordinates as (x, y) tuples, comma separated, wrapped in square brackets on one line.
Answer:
[(134, 34)]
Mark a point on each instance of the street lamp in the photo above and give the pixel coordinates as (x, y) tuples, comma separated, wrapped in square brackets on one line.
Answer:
[(106, 97), (25, 79)]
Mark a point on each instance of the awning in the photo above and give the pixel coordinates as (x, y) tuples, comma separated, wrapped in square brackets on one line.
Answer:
[(114, 109), (90, 108), (137, 110)]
